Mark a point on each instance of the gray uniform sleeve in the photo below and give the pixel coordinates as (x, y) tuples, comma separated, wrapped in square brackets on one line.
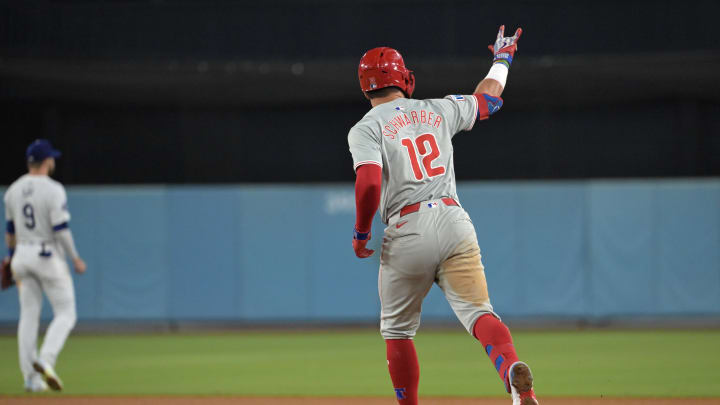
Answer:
[(9, 221), (59, 218), (65, 238), (8, 211), (461, 111), (59, 213), (364, 147)]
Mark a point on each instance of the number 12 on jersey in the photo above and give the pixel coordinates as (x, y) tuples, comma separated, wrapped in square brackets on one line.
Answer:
[(428, 156)]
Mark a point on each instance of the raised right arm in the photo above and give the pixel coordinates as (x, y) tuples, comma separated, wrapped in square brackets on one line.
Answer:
[(503, 52)]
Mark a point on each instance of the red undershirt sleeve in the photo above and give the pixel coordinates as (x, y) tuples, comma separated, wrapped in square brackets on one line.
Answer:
[(368, 184)]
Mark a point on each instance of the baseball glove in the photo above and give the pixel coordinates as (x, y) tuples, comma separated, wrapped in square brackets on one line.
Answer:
[(6, 278)]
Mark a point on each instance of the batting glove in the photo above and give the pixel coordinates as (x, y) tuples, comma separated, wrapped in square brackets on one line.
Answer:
[(505, 47), (360, 239)]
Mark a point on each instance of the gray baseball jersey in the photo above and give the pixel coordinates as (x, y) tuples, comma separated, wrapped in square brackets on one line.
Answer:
[(436, 243), (412, 141), (36, 205)]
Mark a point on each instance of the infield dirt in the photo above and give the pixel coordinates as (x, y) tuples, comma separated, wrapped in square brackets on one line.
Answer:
[(340, 401)]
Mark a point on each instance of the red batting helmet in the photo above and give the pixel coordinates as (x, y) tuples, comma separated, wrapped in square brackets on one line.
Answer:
[(384, 67)]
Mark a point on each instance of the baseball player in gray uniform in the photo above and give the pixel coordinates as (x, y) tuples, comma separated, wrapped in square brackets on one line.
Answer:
[(39, 239), (403, 156)]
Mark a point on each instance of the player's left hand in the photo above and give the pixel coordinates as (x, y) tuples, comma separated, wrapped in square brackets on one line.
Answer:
[(80, 266), (360, 240), (6, 278), (504, 48)]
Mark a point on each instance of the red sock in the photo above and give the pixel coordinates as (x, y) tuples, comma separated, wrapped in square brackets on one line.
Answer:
[(404, 370), (495, 338)]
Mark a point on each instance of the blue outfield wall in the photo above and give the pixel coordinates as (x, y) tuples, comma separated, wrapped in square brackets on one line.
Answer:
[(585, 249)]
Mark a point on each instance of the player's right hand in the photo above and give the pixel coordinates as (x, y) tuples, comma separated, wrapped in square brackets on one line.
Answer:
[(360, 250), (504, 48), (79, 265), (360, 240)]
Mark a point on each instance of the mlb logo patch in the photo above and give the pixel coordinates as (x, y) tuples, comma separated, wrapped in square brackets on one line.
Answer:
[(432, 205), (459, 97)]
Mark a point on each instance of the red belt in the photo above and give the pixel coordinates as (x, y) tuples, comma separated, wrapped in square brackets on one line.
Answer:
[(409, 209)]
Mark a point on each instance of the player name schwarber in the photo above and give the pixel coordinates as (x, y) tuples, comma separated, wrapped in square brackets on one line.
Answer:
[(412, 117)]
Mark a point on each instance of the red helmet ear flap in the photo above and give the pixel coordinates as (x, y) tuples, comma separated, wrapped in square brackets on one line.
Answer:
[(410, 83)]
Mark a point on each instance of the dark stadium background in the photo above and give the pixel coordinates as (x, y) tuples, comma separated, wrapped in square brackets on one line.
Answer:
[(265, 91), (211, 189)]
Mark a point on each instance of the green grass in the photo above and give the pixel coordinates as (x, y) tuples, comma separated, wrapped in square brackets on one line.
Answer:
[(592, 363)]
